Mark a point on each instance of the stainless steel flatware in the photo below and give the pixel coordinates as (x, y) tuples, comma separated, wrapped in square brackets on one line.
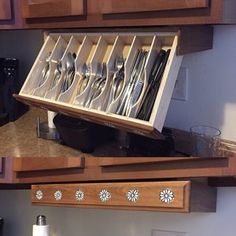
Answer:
[(134, 84), (70, 72), (45, 71), (56, 75), (85, 76), (154, 82), (97, 85), (117, 80)]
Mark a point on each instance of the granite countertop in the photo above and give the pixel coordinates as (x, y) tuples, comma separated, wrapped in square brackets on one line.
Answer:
[(19, 139)]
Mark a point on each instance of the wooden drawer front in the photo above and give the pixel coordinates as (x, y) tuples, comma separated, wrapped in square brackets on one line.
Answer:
[(147, 195), (5, 10), (52, 8), (114, 6)]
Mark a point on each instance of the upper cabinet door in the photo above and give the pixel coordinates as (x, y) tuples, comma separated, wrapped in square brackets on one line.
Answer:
[(52, 8), (5, 10), (10, 15), (128, 6)]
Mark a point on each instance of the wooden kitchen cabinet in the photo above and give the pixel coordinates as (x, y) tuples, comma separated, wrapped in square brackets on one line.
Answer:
[(113, 6), (52, 8), (112, 13), (10, 14), (125, 183), (166, 12), (175, 196), (86, 168), (5, 10)]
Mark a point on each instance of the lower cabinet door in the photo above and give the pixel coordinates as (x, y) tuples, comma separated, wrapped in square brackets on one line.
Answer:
[(175, 196)]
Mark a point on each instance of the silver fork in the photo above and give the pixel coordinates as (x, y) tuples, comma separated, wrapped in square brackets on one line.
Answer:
[(98, 84), (57, 75), (117, 80)]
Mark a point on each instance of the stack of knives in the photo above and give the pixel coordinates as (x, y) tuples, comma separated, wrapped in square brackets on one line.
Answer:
[(154, 82)]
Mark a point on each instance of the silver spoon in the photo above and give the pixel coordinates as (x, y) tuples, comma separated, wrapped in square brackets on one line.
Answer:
[(45, 71), (70, 72), (117, 80), (85, 75), (57, 75), (98, 84)]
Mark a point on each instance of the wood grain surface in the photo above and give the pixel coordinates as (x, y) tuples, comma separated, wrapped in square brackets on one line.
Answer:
[(176, 196), (52, 8), (114, 6), (148, 194)]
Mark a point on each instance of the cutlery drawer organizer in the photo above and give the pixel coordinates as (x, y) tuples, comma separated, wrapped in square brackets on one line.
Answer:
[(116, 79)]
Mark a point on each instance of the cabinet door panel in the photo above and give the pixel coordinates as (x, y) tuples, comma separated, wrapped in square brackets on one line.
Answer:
[(114, 6), (5, 10), (52, 8)]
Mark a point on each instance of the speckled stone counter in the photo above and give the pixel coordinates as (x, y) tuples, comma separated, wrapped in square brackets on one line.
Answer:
[(19, 139)]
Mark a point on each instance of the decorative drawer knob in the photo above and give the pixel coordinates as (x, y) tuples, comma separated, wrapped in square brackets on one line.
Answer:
[(39, 194), (133, 195), (79, 195), (104, 195), (167, 196), (58, 195)]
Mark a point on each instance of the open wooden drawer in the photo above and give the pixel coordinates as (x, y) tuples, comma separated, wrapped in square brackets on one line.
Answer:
[(175, 196), (90, 51)]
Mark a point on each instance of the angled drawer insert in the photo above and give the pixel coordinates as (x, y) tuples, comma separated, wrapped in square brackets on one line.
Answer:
[(119, 80)]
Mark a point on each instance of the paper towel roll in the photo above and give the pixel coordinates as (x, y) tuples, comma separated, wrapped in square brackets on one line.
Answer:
[(40, 230)]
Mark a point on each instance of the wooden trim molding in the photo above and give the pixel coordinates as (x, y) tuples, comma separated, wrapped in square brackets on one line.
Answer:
[(23, 164), (175, 196)]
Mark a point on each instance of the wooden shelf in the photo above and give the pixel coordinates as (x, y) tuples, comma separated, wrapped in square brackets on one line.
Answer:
[(96, 169)]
